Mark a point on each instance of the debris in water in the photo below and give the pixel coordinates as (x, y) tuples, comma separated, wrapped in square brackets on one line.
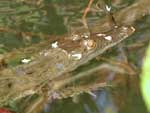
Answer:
[(109, 38), (76, 56), (99, 34), (25, 61), (55, 45), (108, 8)]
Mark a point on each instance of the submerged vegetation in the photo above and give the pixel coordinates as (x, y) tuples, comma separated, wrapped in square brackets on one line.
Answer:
[(51, 50)]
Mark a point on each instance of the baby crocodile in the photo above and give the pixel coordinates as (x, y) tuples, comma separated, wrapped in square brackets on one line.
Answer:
[(68, 53), (64, 56)]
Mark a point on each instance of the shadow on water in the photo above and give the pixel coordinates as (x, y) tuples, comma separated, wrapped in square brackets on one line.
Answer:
[(103, 102)]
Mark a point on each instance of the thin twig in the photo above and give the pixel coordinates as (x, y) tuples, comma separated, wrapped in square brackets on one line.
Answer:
[(86, 12)]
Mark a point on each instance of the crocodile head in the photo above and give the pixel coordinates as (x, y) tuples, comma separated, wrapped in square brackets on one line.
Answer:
[(84, 47)]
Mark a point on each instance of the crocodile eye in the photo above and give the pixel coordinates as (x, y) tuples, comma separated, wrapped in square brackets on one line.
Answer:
[(89, 44)]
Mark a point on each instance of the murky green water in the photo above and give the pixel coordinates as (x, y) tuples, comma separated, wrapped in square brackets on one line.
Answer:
[(59, 17)]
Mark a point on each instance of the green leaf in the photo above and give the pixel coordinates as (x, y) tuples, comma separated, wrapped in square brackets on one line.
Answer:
[(145, 79)]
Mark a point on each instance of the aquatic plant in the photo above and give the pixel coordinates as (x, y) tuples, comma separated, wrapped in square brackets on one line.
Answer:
[(145, 79)]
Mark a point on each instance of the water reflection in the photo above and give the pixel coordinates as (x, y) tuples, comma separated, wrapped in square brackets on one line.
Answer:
[(105, 103), (101, 103)]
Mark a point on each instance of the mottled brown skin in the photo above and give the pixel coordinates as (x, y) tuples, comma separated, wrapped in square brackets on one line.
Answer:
[(50, 63), (56, 61), (97, 44)]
